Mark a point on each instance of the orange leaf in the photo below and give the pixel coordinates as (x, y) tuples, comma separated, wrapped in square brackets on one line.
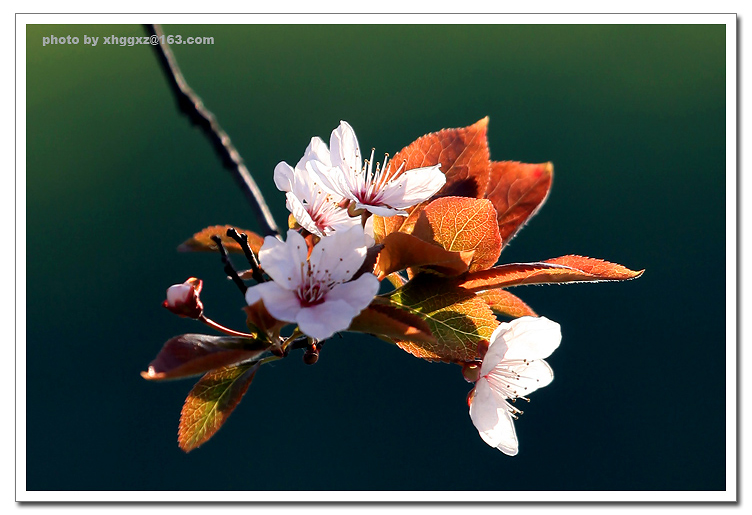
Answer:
[(501, 301), (462, 224), (405, 250), (564, 269), (211, 401), (464, 158), (382, 227), (463, 154), (192, 354), (201, 241), (384, 320), (517, 191)]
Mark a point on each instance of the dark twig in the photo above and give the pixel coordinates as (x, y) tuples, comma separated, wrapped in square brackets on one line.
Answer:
[(242, 239), (229, 269), (193, 107)]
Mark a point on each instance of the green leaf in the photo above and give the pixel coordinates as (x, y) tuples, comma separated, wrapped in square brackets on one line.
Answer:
[(457, 318), (211, 401)]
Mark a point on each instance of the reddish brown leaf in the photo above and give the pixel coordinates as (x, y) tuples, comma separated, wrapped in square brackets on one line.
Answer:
[(517, 191), (459, 319), (392, 322), (463, 154), (211, 401), (193, 354), (501, 301), (201, 241), (462, 224), (405, 250), (259, 320), (564, 269)]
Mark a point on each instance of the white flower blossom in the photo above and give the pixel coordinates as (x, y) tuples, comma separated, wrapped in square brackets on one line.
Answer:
[(315, 291), (512, 368), (383, 191), (316, 209)]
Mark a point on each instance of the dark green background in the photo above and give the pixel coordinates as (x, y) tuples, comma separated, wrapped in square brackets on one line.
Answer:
[(633, 118)]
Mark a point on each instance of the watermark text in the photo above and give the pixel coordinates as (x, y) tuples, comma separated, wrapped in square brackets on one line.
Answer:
[(172, 39)]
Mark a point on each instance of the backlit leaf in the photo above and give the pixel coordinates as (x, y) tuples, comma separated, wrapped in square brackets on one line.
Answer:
[(382, 226), (193, 354), (392, 322), (211, 401), (463, 154), (517, 191), (564, 269), (457, 318), (201, 241), (464, 158), (401, 251), (462, 224), (505, 303)]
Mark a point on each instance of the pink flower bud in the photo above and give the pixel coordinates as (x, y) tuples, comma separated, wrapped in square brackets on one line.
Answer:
[(182, 299)]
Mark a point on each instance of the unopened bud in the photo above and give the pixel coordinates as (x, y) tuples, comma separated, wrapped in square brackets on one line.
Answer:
[(183, 300), (311, 355), (471, 371)]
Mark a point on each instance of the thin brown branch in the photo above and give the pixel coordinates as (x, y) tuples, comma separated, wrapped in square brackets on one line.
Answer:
[(190, 104)]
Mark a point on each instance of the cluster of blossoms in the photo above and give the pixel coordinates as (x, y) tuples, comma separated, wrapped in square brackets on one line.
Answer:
[(318, 291), (442, 225)]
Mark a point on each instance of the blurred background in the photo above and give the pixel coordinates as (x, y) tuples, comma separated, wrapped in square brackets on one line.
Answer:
[(633, 118)]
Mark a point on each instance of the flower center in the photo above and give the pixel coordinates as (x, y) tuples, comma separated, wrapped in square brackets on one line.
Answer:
[(371, 187), (312, 289), (506, 378), (323, 210)]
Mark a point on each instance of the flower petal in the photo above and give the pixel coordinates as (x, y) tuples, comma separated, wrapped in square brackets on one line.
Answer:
[(413, 186), (368, 231), (532, 338), (323, 320), (283, 260), (284, 176), (491, 418), (316, 151), (345, 152), (339, 220), (282, 304), (358, 293), (497, 348), (381, 210), (340, 255), (298, 210), (533, 375)]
